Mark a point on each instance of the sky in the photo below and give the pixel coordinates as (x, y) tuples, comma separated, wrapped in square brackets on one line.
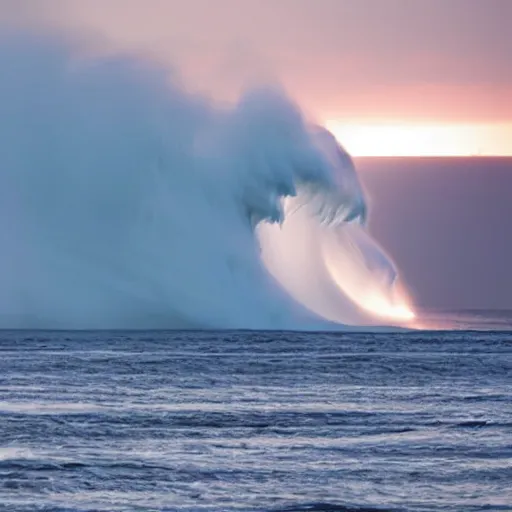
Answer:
[(388, 77)]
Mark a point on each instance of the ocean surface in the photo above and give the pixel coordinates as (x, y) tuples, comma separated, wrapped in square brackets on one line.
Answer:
[(256, 421)]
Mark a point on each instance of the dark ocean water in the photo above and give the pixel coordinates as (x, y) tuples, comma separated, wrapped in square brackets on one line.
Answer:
[(255, 421)]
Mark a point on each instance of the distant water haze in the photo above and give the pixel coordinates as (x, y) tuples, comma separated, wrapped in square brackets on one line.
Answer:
[(447, 223)]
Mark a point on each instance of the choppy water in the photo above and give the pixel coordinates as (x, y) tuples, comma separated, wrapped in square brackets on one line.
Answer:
[(255, 421)]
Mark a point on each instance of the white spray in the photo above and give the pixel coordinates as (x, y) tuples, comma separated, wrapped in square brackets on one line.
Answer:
[(126, 202)]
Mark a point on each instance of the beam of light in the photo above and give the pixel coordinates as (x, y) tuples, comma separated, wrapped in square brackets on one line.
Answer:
[(381, 306), (409, 139)]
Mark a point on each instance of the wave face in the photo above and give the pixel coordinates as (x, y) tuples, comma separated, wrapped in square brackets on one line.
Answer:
[(127, 202)]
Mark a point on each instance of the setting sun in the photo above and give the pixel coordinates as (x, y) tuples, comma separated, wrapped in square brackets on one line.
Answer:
[(408, 139)]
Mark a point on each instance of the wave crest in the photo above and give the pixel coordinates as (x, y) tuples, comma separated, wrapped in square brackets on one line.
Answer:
[(127, 202)]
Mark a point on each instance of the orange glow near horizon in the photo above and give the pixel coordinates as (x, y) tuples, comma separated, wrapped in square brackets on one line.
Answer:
[(381, 306), (412, 139)]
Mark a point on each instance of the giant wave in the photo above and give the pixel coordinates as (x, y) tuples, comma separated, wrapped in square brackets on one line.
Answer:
[(128, 202)]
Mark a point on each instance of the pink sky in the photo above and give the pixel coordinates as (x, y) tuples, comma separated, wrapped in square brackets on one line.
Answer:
[(411, 61)]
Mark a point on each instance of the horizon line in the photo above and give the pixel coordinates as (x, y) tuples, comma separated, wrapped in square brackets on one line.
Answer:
[(423, 157)]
